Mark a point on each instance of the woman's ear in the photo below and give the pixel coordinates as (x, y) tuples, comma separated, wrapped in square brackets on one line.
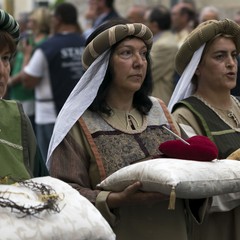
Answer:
[(197, 72)]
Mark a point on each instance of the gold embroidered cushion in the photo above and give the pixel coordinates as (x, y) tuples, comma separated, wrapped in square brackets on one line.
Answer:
[(187, 179), (77, 218)]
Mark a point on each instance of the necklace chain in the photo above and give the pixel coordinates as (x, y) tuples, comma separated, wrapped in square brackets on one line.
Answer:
[(230, 114)]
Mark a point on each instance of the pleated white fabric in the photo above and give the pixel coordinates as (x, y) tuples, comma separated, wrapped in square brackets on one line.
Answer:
[(79, 100), (184, 87)]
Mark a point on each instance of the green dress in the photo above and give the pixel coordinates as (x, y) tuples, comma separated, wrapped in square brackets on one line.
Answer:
[(20, 156)]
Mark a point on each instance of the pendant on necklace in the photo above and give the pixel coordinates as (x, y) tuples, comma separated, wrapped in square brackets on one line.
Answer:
[(233, 116)]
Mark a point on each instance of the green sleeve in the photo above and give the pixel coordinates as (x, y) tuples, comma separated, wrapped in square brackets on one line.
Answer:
[(32, 156)]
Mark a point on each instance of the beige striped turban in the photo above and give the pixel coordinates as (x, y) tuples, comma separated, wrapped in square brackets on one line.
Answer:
[(10, 25), (190, 53), (202, 34), (109, 37)]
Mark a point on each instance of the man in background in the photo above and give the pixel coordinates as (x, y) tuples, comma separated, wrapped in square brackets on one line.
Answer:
[(208, 13), (104, 11), (54, 70), (163, 52), (136, 13), (183, 19)]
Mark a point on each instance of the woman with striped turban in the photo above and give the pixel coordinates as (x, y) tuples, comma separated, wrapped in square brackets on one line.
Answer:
[(108, 122), (19, 154), (202, 102)]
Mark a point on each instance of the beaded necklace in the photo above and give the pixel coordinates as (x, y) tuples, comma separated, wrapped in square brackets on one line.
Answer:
[(230, 113)]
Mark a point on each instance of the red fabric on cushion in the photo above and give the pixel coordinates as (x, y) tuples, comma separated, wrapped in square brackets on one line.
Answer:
[(201, 148)]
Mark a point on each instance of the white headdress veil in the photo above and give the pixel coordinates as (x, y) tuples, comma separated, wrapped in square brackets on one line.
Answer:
[(77, 103), (184, 87)]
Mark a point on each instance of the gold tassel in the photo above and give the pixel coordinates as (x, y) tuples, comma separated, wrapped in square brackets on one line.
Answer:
[(4, 180), (172, 199)]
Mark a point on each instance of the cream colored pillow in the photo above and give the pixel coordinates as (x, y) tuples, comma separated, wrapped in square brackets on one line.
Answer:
[(187, 179), (77, 220)]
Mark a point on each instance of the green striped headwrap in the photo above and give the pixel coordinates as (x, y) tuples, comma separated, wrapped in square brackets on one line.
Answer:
[(10, 25), (109, 37)]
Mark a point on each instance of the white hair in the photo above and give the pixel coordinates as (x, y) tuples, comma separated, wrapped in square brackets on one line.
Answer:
[(208, 9)]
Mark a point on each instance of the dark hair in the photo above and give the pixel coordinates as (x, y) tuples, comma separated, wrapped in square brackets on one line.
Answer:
[(6, 40), (189, 12), (160, 15), (109, 3), (67, 12), (141, 100)]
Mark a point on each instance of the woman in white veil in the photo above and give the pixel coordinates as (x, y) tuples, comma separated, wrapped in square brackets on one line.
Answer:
[(109, 122), (202, 101)]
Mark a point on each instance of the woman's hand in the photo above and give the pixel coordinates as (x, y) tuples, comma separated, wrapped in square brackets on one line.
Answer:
[(235, 155), (132, 195)]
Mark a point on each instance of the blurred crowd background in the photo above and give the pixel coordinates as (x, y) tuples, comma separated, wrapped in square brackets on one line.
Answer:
[(17, 7)]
